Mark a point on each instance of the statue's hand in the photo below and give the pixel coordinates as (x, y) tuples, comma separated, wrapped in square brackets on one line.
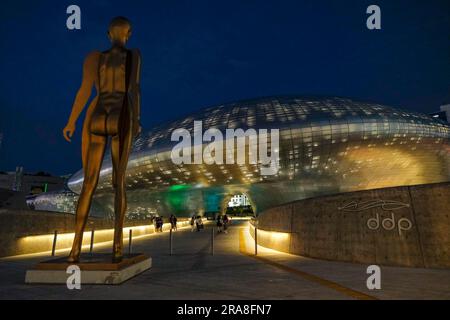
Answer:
[(68, 131), (137, 130)]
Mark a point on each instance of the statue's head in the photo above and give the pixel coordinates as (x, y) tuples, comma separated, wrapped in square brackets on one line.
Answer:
[(119, 31)]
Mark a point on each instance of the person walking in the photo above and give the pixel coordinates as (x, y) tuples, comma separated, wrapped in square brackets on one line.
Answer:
[(199, 223), (173, 222), (225, 223), (159, 223), (193, 223), (219, 223), (155, 222)]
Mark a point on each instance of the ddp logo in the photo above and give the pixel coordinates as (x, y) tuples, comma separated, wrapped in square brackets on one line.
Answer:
[(390, 223), (379, 222)]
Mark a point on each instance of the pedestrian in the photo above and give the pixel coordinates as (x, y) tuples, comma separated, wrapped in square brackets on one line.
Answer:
[(219, 223), (199, 223), (193, 223), (225, 223), (159, 223), (155, 223), (173, 222)]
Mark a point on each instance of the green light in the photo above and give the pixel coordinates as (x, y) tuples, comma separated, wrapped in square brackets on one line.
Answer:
[(45, 187), (179, 187), (176, 196)]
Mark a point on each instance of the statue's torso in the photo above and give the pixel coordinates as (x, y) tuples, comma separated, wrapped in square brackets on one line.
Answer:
[(112, 77), (106, 118)]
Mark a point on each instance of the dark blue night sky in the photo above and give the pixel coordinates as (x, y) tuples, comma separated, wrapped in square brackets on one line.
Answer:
[(202, 53)]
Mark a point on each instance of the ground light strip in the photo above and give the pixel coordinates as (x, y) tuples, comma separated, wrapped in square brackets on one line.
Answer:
[(310, 277), (97, 245)]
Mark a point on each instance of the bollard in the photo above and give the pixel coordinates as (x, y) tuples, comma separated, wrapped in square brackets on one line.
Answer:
[(54, 243), (256, 241), (212, 241), (171, 242), (130, 239), (91, 248)]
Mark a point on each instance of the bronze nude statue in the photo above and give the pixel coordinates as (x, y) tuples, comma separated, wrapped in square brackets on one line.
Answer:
[(115, 113)]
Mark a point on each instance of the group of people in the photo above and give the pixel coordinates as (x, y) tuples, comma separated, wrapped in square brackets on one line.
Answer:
[(158, 222), (196, 223), (222, 222)]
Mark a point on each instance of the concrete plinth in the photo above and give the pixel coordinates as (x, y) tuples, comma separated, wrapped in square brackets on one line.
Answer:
[(94, 269)]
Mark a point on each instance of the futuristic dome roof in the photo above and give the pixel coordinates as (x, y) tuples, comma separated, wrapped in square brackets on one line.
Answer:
[(283, 112), (326, 145)]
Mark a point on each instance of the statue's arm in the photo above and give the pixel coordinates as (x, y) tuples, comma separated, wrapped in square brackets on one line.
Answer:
[(83, 94), (136, 88)]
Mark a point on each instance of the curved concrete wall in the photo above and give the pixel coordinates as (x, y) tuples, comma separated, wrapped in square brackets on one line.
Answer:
[(30, 231), (403, 226)]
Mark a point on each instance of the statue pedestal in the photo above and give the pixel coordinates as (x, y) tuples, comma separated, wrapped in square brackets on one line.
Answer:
[(96, 268)]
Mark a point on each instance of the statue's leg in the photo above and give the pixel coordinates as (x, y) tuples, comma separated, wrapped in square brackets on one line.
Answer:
[(93, 165), (120, 201)]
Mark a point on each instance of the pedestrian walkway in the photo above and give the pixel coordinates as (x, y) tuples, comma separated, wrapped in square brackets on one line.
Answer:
[(191, 272)]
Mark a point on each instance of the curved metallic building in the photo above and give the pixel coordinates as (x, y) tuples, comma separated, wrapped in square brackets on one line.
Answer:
[(327, 145)]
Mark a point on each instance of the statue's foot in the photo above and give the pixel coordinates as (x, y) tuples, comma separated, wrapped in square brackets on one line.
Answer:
[(73, 259), (117, 258), (117, 251), (74, 256)]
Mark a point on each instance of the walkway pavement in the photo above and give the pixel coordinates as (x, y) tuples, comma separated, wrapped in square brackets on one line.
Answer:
[(232, 273)]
